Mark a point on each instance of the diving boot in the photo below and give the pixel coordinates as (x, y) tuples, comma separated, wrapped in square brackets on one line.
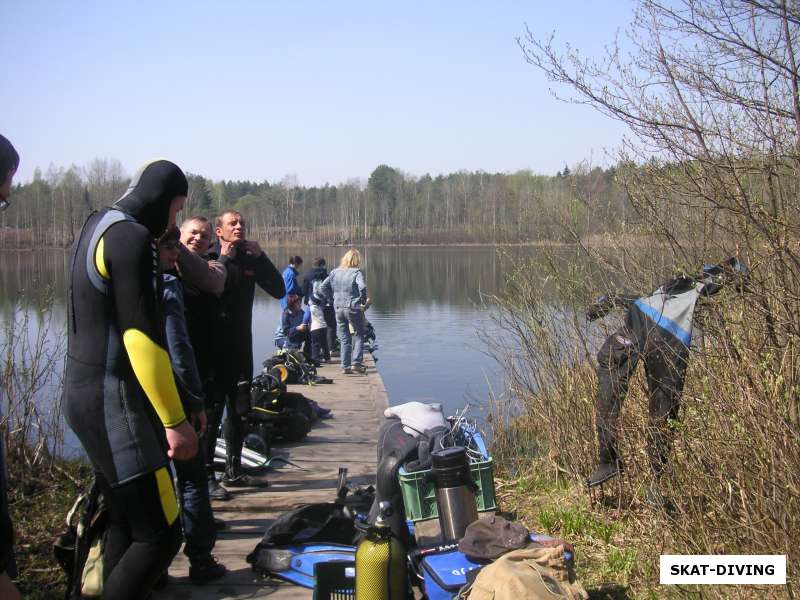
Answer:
[(205, 569), (217, 492), (604, 472), (235, 476)]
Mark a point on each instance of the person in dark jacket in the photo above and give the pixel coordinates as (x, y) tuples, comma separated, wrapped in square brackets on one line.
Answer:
[(323, 317), (9, 161), (120, 396), (197, 517), (290, 282), (295, 326), (247, 265), (204, 281)]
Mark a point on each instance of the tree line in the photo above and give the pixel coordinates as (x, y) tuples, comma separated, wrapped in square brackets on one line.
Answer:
[(390, 207)]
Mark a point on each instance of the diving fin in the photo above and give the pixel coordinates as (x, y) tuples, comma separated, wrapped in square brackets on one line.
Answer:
[(296, 563)]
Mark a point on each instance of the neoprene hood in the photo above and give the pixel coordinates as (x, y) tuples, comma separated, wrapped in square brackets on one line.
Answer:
[(9, 159), (151, 192)]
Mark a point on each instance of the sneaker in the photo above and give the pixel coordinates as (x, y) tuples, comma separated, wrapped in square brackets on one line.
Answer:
[(347, 371), (217, 492), (603, 473), (359, 368), (243, 480), (203, 570)]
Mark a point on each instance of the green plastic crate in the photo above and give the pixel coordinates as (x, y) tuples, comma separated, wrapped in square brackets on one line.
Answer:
[(419, 495)]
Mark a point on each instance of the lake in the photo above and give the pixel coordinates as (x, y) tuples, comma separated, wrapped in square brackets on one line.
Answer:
[(427, 312)]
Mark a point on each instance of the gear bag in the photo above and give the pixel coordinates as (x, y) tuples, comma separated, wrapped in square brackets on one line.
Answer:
[(537, 572), (320, 523), (79, 550), (290, 366)]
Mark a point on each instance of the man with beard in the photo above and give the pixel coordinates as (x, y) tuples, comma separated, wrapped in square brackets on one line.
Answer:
[(120, 396), (247, 265)]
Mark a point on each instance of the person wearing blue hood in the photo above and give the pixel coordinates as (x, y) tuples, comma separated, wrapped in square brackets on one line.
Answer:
[(120, 396), (9, 161)]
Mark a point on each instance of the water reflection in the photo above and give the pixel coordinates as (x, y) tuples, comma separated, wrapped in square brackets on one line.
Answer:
[(427, 313)]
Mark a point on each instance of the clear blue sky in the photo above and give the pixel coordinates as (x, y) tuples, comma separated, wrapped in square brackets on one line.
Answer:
[(325, 91)]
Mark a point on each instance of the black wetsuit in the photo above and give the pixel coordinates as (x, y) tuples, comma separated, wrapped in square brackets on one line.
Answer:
[(119, 391), (9, 159), (245, 270), (204, 322)]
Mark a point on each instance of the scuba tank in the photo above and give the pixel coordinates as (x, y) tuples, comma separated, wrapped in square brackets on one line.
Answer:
[(381, 562), (455, 491)]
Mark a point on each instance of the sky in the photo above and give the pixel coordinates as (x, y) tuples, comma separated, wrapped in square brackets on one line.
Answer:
[(321, 91)]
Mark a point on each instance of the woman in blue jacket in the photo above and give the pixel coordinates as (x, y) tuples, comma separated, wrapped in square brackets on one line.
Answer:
[(348, 289)]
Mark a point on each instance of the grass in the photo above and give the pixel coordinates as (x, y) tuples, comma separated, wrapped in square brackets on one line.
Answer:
[(613, 534), (40, 497), (552, 506)]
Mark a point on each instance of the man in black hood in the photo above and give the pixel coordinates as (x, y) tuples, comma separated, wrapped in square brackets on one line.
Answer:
[(120, 396), (9, 161)]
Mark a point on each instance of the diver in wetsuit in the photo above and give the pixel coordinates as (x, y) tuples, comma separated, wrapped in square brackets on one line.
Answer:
[(120, 396), (9, 161), (247, 265)]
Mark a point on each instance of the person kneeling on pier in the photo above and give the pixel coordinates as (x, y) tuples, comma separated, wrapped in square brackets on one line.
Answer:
[(296, 326)]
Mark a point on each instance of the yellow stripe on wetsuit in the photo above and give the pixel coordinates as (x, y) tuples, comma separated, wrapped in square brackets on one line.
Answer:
[(151, 365), (169, 503), (99, 261)]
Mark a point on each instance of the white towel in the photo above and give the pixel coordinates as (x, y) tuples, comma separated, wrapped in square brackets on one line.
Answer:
[(416, 417)]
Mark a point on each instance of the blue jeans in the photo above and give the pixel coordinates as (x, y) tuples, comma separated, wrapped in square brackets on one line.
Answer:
[(355, 347), (197, 518)]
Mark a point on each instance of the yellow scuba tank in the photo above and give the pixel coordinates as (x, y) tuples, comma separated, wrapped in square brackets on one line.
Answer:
[(381, 562)]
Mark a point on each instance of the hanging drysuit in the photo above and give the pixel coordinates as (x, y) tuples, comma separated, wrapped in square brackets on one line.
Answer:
[(119, 391), (657, 331)]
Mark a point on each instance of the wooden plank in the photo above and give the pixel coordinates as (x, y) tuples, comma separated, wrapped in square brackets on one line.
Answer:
[(348, 440)]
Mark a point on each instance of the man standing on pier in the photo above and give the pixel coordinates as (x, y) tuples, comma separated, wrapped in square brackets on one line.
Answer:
[(247, 265), (120, 396), (204, 281)]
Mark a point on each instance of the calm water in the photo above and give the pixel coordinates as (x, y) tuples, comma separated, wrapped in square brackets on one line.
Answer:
[(427, 313)]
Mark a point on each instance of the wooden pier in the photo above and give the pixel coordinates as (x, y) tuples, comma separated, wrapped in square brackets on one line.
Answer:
[(347, 440)]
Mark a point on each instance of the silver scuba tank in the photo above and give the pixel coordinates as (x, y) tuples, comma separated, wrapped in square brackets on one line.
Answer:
[(455, 491)]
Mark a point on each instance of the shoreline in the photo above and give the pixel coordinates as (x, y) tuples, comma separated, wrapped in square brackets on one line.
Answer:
[(595, 241)]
